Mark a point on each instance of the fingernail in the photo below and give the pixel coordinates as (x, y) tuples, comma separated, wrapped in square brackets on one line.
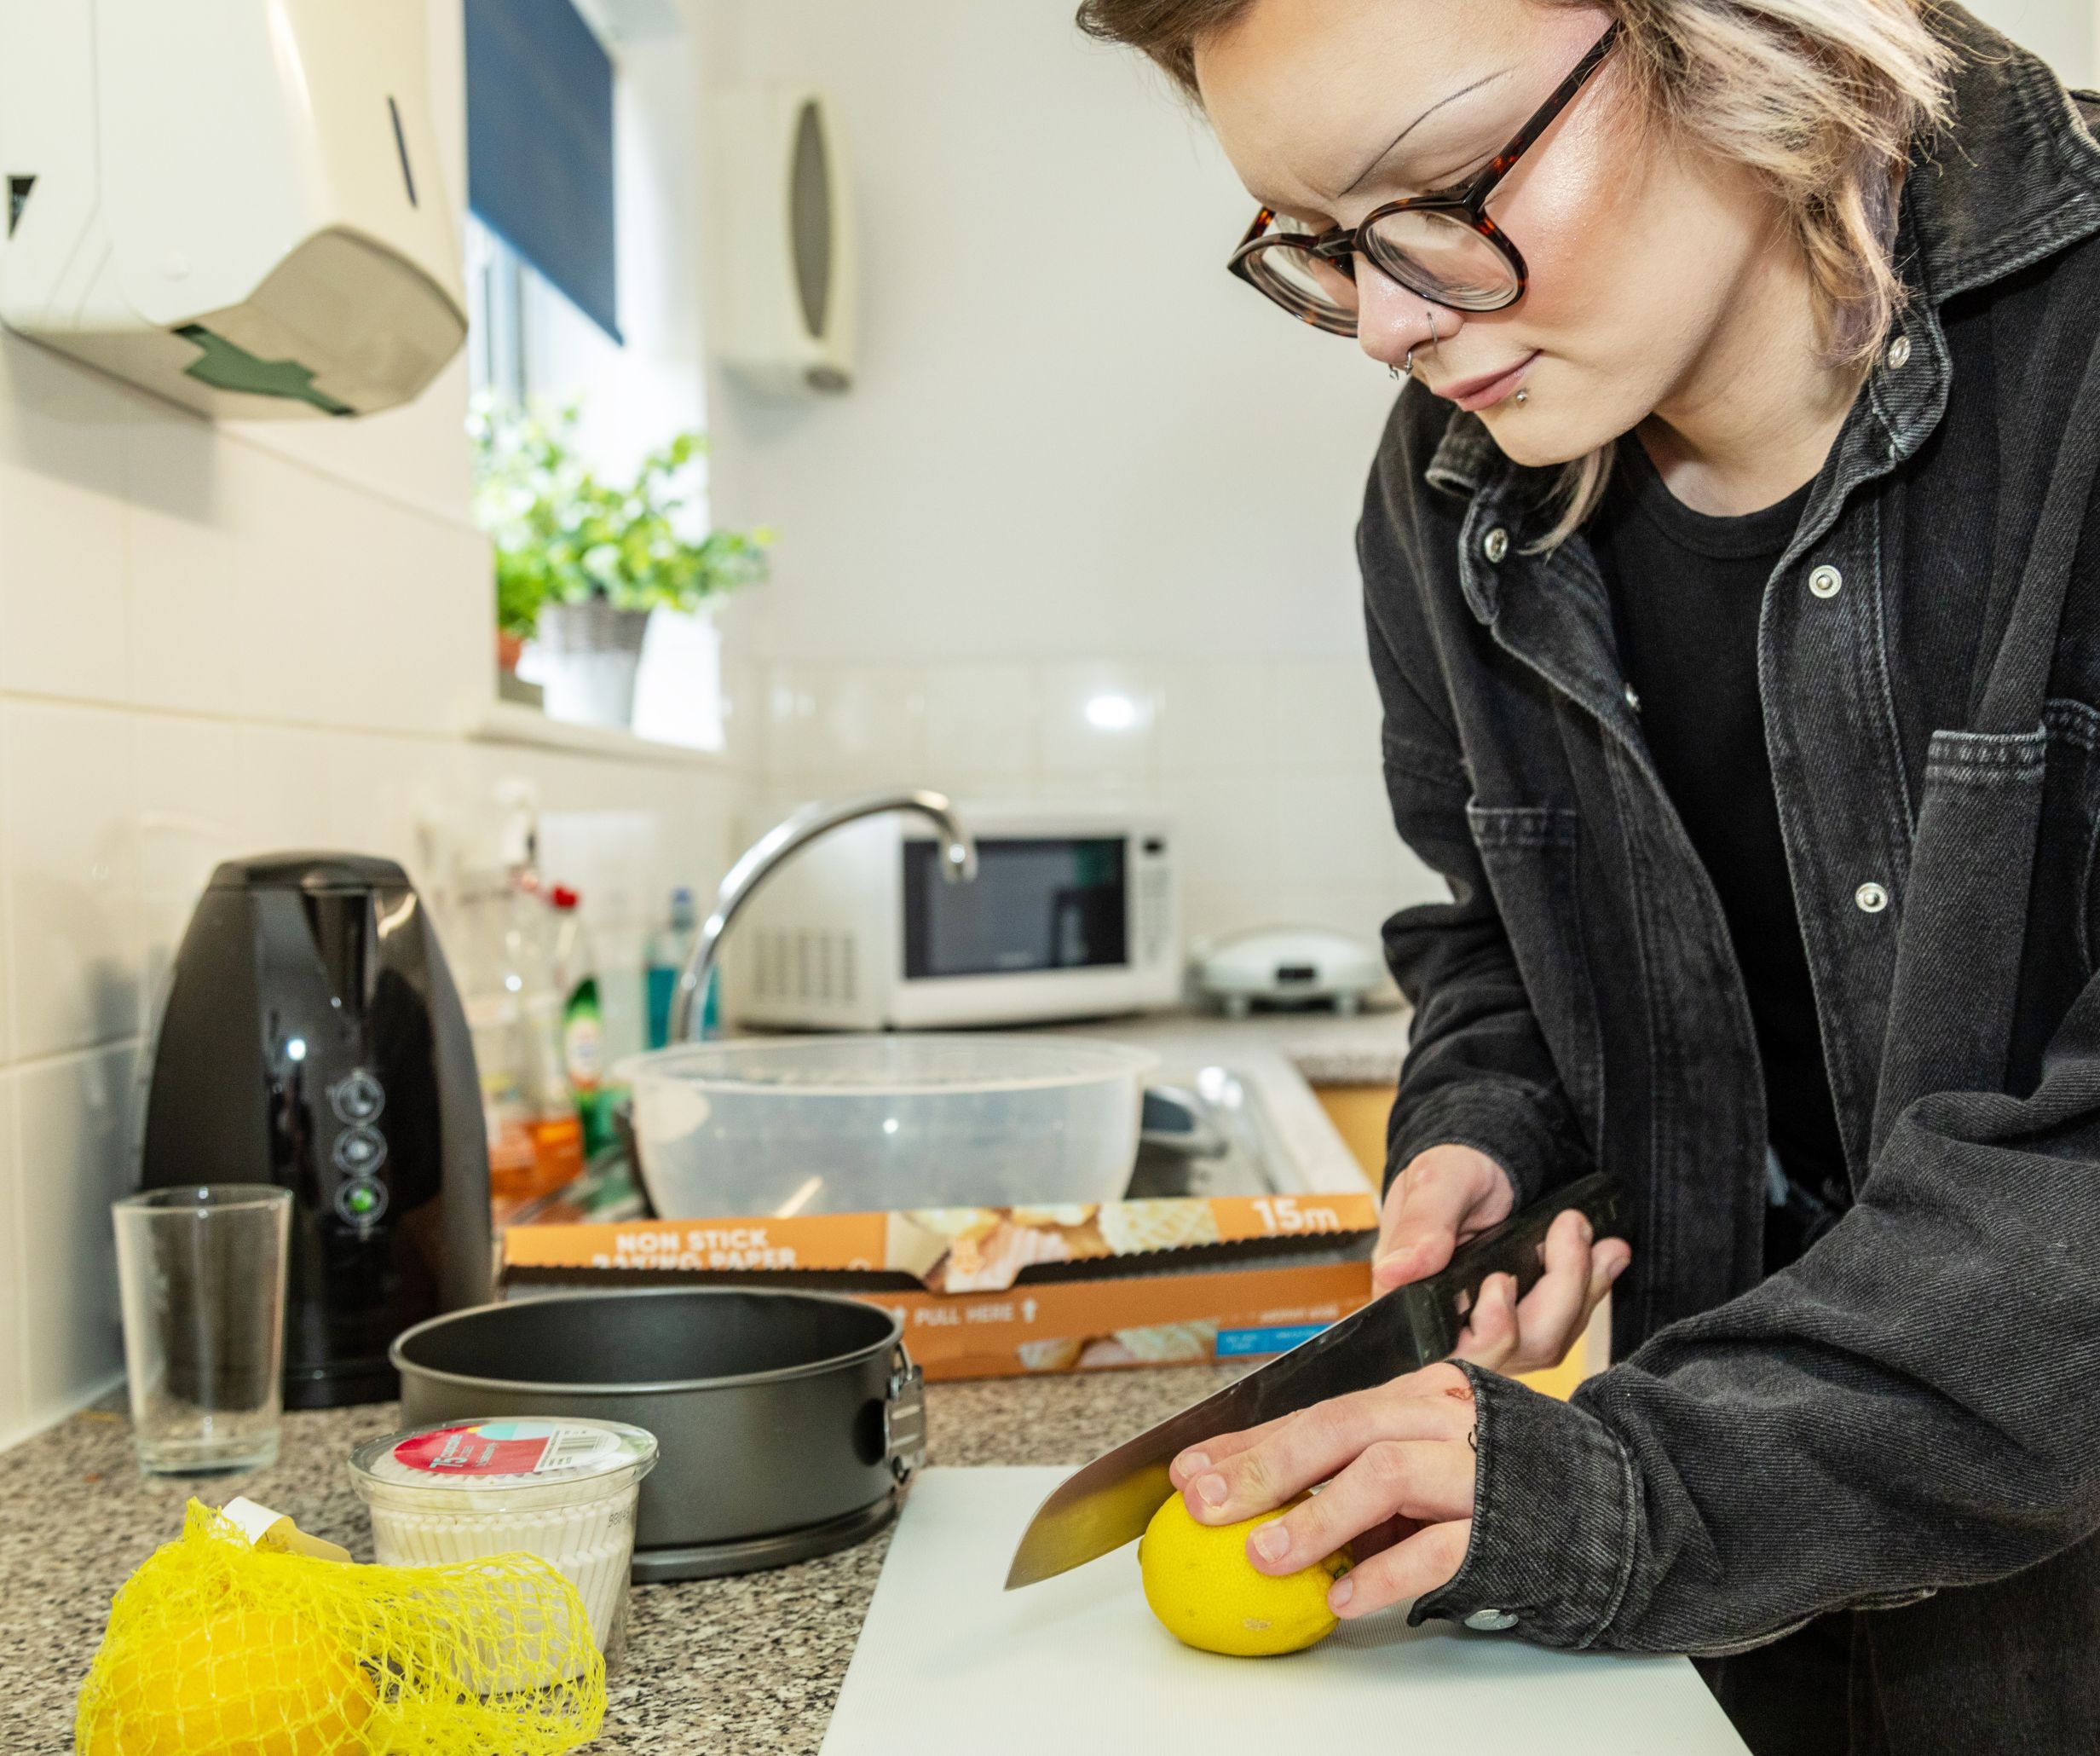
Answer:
[(1589, 1232), (1211, 1490), (1617, 1269), (1344, 1590), (1190, 1462), (1273, 1541)]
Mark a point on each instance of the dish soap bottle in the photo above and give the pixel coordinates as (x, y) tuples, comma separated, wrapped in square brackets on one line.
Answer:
[(583, 1018), (670, 948)]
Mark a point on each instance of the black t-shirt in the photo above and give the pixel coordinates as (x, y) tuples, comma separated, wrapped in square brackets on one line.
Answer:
[(1686, 589)]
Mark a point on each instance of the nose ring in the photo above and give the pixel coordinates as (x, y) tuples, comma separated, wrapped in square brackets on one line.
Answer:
[(1407, 367)]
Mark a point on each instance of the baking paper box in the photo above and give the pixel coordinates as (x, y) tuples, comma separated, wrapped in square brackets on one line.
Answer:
[(995, 1291)]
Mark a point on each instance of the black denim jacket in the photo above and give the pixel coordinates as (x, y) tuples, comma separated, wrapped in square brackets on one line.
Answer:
[(1911, 1414)]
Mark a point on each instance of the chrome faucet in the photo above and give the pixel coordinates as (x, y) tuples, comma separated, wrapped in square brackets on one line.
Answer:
[(759, 860)]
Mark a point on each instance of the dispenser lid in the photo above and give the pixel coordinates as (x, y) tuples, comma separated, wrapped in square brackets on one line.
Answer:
[(310, 872)]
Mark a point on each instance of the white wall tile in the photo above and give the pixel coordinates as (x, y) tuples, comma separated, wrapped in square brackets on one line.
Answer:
[(61, 419), (1100, 723), (190, 788), (864, 726), (186, 632), (380, 789), (294, 575), (1215, 718), (1225, 828), (14, 1270), (62, 588), (288, 789), (414, 644), (1359, 910), (1337, 829), (72, 877), (1213, 911), (1326, 714), (982, 727), (75, 1129), (7, 931)]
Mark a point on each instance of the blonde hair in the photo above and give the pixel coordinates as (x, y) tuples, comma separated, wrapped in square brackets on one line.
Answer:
[(1822, 99)]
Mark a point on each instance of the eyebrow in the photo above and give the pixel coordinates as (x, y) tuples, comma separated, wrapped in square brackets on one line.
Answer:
[(1385, 151)]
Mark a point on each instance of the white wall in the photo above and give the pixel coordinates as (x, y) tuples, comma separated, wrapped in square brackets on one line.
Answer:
[(2065, 33), (1079, 457), (213, 641)]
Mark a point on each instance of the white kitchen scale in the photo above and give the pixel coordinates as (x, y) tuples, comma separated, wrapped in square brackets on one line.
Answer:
[(949, 1663)]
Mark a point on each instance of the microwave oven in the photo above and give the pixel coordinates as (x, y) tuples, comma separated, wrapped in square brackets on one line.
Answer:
[(1072, 914)]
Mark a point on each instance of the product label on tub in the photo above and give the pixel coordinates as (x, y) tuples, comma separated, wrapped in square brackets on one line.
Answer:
[(527, 1447)]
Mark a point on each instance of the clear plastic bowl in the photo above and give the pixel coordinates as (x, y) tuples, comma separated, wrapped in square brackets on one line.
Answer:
[(564, 1489), (867, 1124)]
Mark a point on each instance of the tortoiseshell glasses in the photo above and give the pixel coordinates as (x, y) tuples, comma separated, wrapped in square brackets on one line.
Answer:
[(1442, 245)]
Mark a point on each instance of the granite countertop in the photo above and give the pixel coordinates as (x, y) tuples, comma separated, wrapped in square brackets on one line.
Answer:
[(714, 1667), (720, 1666)]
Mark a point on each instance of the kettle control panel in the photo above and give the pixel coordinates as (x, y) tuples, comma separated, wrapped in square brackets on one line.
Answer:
[(357, 1100)]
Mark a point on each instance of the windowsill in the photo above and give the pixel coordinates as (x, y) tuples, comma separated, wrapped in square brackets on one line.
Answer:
[(513, 723)]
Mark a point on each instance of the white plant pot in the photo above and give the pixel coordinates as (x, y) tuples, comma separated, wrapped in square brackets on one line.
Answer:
[(589, 654)]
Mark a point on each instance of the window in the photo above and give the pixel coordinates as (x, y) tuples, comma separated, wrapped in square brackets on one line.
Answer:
[(581, 245)]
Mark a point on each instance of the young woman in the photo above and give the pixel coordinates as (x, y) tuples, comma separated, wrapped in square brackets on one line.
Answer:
[(1729, 566)]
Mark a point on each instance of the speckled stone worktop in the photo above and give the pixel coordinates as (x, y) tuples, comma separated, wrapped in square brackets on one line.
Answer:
[(715, 1667)]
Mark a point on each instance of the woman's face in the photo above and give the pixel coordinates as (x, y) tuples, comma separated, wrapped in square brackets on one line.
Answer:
[(1328, 108)]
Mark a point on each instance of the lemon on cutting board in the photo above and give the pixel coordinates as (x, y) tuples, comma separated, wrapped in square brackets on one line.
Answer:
[(1208, 1594), (243, 1682)]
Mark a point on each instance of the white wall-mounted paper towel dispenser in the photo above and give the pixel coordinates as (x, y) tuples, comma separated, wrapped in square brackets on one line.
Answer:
[(784, 281), (233, 203)]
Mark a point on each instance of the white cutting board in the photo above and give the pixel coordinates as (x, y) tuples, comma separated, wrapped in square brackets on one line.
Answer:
[(950, 1663)]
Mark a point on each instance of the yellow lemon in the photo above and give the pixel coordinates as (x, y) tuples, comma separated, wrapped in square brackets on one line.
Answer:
[(245, 1683), (1203, 1587)]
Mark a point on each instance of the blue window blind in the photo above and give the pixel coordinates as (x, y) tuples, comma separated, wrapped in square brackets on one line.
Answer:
[(540, 144)]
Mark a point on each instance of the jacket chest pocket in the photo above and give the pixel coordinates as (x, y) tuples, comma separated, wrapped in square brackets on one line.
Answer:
[(1531, 855), (2062, 904)]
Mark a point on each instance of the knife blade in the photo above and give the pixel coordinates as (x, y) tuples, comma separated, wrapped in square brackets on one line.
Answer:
[(1109, 1501)]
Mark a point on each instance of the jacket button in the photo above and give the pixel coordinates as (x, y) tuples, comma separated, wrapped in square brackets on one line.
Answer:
[(1496, 544), (1872, 899), (1899, 353), (1826, 581), (1491, 1621)]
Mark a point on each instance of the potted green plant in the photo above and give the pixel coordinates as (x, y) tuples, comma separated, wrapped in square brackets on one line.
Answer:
[(582, 562)]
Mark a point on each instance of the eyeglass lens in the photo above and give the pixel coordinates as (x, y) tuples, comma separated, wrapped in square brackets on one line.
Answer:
[(1434, 254)]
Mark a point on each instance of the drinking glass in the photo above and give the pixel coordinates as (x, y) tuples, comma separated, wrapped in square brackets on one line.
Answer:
[(202, 1273)]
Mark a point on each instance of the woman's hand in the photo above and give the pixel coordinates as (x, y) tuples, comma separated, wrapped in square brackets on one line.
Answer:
[(1450, 1193), (1398, 1465)]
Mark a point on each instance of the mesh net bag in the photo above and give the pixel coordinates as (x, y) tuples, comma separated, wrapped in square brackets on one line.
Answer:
[(217, 1648)]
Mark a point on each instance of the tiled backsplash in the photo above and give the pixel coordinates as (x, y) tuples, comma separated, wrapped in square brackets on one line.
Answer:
[(1270, 770), (216, 641)]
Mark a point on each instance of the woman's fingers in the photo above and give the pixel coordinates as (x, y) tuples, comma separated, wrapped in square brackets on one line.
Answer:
[(1444, 1194), (1319, 1442), (1430, 1557), (1198, 1458), (1507, 1335), (1428, 1480)]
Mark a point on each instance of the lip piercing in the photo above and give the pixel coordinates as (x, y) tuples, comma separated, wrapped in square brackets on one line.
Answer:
[(1524, 394)]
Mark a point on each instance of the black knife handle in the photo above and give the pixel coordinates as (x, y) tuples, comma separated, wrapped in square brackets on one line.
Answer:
[(1516, 1247)]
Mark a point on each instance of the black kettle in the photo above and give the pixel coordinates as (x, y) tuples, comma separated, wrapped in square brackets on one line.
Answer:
[(313, 1038)]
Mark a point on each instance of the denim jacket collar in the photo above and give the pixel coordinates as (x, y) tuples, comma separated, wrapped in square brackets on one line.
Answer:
[(2014, 180)]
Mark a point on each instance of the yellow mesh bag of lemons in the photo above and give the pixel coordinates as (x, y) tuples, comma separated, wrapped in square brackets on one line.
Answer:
[(215, 1648), (1208, 1595)]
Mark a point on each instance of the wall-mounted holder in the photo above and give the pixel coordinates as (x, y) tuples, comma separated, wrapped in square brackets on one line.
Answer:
[(235, 204), (785, 285)]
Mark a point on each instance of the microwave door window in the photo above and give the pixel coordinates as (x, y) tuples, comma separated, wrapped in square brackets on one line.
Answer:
[(1036, 905)]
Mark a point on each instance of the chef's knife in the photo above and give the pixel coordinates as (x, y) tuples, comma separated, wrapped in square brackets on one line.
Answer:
[(1104, 1505)]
